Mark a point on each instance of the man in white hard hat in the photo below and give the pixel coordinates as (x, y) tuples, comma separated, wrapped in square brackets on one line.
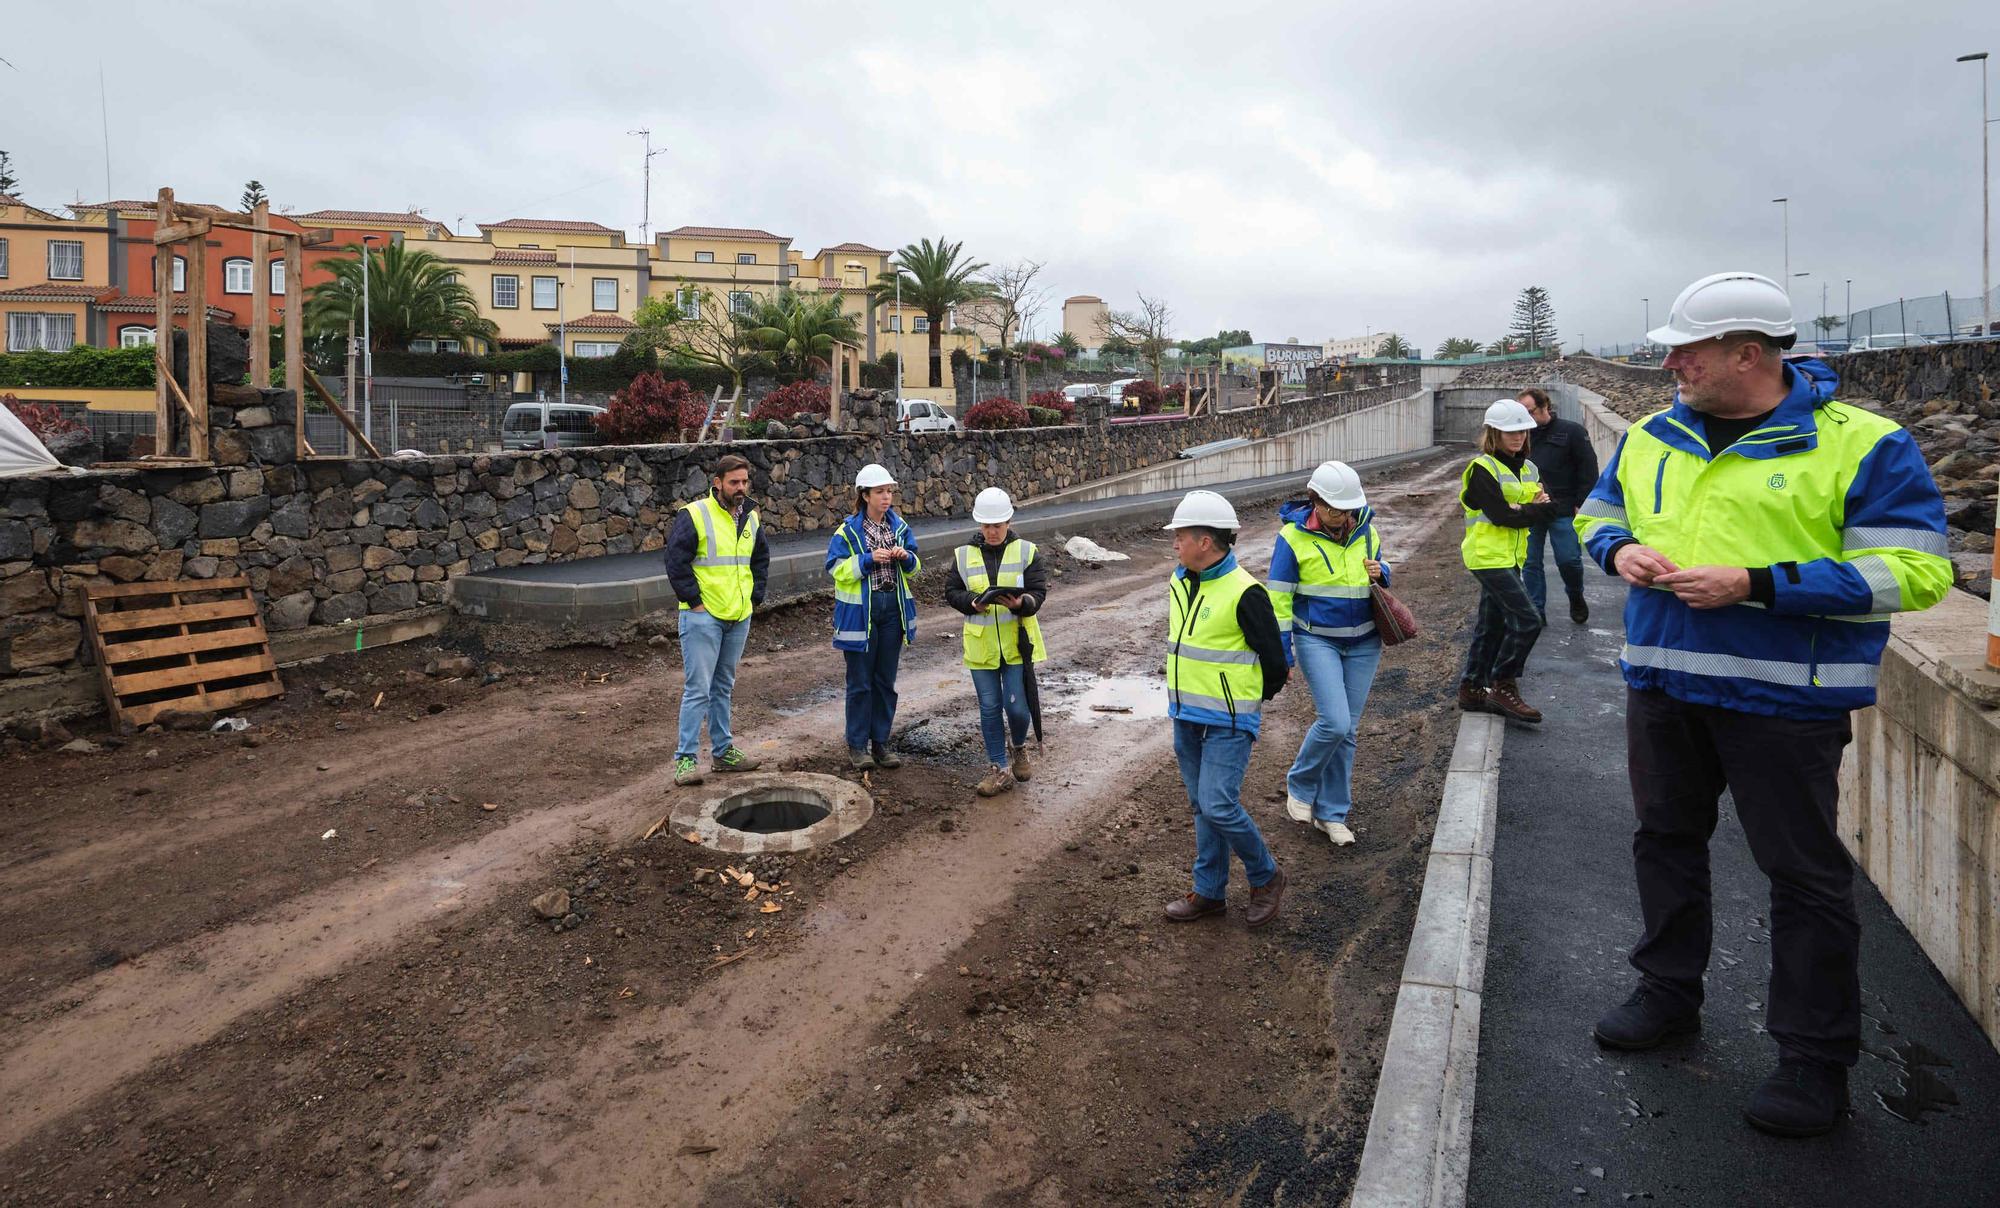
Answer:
[(1767, 533), (1224, 660)]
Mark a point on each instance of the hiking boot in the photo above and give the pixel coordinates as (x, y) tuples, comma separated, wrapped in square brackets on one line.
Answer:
[(734, 760), (1472, 700), (686, 770), (1505, 699), (1336, 831), (1645, 1020), (998, 780), (859, 760), (1191, 906), (1579, 611), (1801, 1098), (1264, 900), (1020, 763), (1296, 810), (885, 758)]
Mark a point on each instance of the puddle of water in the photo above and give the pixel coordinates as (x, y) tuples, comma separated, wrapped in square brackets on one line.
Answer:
[(1118, 698)]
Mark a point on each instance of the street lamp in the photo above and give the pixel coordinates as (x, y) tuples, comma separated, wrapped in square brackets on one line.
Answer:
[(1985, 201), (1850, 310), (367, 348), (1649, 320), (1785, 205)]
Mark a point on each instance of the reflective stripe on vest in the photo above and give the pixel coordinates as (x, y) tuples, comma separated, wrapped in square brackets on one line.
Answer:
[(722, 559), (1490, 546), (1769, 671), (1209, 662), (993, 637)]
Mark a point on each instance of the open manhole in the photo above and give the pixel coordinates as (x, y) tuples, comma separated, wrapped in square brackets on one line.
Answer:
[(773, 812)]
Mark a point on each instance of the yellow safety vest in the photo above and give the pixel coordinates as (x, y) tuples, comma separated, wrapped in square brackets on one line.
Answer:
[(1490, 546), (993, 637), (722, 559), (1212, 674)]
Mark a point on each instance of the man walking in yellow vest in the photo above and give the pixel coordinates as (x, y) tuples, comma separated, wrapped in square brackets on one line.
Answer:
[(1224, 660), (718, 563)]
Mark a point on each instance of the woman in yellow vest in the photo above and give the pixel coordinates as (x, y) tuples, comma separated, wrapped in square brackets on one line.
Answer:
[(999, 583), (1501, 492)]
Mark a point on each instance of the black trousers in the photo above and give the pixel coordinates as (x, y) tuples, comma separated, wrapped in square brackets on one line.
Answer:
[(1782, 774), (1505, 631)]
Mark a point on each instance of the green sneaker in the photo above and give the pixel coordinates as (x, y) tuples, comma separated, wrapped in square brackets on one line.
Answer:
[(734, 760), (686, 770)]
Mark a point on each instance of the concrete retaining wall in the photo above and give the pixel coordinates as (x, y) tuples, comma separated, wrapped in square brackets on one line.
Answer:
[(1920, 786)]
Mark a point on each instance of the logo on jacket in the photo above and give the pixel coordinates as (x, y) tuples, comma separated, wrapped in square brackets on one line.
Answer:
[(1776, 482)]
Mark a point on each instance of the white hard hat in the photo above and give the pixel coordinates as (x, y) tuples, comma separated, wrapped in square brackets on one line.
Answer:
[(872, 475), (1203, 509), (1338, 485), (992, 507), (1725, 302), (1508, 415)]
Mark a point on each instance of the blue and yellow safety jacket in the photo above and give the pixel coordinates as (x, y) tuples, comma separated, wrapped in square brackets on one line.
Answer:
[(1319, 583), (852, 565), (1835, 501)]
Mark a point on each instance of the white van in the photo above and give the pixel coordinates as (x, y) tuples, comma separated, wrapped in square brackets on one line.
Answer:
[(522, 427), (921, 415)]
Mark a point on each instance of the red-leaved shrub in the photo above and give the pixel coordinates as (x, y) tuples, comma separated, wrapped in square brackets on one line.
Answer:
[(1146, 395), (651, 411), (995, 414), (799, 398), (1055, 400), (40, 418)]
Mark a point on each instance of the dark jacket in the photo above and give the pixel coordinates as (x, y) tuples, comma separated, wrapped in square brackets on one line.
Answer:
[(680, 558), (1483, 494), (1035, 578), (1562, 451)]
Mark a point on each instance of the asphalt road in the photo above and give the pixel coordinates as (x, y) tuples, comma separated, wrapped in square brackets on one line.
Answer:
[(1559, 1121)]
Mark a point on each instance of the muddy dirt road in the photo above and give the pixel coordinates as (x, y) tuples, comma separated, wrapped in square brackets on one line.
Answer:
[(300, 963)]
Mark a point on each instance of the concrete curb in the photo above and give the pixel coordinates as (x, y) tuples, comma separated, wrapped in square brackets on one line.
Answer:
[(1419, 1147)]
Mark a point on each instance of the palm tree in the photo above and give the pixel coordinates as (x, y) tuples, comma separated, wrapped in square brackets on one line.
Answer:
[(934, 280), (800, 329), (1457, 346), (1393, 345), (1070, 345), (411, 296)]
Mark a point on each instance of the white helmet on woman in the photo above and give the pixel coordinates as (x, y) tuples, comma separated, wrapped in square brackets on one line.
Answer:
[(1338, 486), (873, 475), (992, 506), (1508, 415)]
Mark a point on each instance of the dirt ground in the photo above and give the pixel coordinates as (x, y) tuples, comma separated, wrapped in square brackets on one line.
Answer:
[(300, 963)]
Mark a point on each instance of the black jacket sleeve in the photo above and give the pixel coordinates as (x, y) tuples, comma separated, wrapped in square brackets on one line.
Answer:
[(1586, 466), (1483, 493), (760, 567), (680, 559), (1260, 629)]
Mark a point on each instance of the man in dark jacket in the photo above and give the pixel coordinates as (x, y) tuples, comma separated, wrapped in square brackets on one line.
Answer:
[(1561, 450), (719, 564)]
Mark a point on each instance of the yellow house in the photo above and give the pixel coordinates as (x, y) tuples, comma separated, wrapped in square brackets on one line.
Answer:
[(51, 271), (408, 225), (1083, 317), (737, 265), (535, 277)]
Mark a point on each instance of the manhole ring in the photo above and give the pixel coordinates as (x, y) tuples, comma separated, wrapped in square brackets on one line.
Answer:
[(848, 808)]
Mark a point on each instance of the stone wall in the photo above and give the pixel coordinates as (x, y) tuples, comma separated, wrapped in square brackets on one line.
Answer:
[(327, 542), (1968, 370)]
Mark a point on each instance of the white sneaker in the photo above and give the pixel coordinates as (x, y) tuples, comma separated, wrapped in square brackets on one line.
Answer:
[(1338, 832), (1299, 810)]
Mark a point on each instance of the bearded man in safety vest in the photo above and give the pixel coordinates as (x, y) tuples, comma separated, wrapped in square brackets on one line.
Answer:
[(718, 562), (1224, 660), (1767, 533)]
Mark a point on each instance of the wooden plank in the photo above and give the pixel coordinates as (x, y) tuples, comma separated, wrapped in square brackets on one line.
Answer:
[(260, 297), (315, 238), (295, 341), (119, 591), (103, 662), (154, 618), (143, 649), (191, 228), (140, 715), (133, 683), (163, 331), (197, 383), (340, 413)]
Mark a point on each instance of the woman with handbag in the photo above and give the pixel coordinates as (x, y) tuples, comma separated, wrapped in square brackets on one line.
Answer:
[(872, 558), (1325, 564)]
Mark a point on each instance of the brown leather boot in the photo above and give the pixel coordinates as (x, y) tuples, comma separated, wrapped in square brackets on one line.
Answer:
[(1264, 900), (1471, 699), (998, 780), (1505, 699), (1020, 762), (1191, 906)]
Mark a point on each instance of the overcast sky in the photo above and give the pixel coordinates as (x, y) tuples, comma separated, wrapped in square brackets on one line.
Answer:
[(1305, 170)]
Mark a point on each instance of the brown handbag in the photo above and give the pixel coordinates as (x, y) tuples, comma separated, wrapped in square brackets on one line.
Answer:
[(1394, 622)]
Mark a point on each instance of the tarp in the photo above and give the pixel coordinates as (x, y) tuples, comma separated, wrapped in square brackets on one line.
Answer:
[(20, 451)]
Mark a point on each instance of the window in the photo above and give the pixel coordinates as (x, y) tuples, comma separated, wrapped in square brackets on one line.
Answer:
[(571, 419), (690, 301), (604, 293), (27, 332), (65, 259), (447, 345), (746, 257), (277, 278), (135, 337), (507, 292), (531, 246), (3, 257), (545, 293), (587, 350), (920, 323), (180, 274), (895, 322), (423, 345), (704, 257), (235, 276), (740, 302)]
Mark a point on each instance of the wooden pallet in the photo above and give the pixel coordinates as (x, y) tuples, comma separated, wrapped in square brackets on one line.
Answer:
[(195, 644)]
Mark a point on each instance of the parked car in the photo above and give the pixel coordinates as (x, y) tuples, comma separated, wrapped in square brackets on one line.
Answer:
[(1082, 390), (523, 426), (1890, 339), (1115, 391), (1642, 356), (921, 415)]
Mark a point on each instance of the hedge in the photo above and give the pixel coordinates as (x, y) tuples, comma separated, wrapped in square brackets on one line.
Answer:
[(82, 367)]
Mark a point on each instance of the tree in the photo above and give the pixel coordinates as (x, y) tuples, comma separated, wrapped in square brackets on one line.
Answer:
[(935, 280), (1144, 331), (1070, 345), (1116, 345), (1010, 296), (9, 183), (412, 295), (1393, 345), (1534, 320), (799, 330), (1457, 346), (1505, 346), (1828, 324), (253, 193), (696, 327)]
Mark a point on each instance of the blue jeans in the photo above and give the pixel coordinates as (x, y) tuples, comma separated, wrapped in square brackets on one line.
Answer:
[(1339, 678), (709, 652), (1003, 705), (1213, 760), (1561, 535), (871, 675)]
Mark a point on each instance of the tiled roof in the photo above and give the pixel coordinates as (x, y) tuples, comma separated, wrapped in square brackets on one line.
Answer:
[(702, 232), (856, 247), (54, 292), (509, 255), (829, 283), (8, 199), (413, 216), (146, 207), (598, 322), (522, 341), (142, 304), (548, 224)]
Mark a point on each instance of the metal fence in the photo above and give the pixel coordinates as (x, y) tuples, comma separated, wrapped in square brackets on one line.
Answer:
[(1936, 317)]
